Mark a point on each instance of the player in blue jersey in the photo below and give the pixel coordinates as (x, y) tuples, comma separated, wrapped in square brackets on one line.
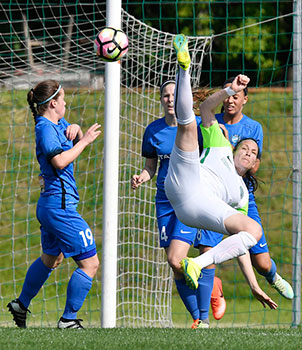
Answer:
[(239, 126), (208, 192), (64, 233), (175, 237)]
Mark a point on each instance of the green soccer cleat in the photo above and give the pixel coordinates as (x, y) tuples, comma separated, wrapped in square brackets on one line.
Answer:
[(204, 324), (283, 287), (180, 44), (192, 272)]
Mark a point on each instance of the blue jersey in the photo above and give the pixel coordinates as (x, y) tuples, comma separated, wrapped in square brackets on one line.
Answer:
[(245, 128), (59, 187), (158, 142)]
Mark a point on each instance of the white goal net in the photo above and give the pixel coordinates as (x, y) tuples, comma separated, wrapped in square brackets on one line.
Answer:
[(40, 42)]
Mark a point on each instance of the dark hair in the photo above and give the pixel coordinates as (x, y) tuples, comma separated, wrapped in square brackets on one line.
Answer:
[(230, 80), (40, 93), (249, 179), (165, 83), (200, 95)]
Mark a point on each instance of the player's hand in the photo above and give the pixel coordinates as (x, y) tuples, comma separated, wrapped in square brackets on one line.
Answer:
[(225, 131), (240, 83), (72, 131), (136, 181), (92, 133), (264, 299)]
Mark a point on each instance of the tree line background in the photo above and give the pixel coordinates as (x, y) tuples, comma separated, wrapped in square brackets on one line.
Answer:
[(264, 51)]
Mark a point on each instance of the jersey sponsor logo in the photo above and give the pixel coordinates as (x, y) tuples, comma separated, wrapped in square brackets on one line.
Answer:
[(235, 139), (262, 245), (183, 231), (164, 156)]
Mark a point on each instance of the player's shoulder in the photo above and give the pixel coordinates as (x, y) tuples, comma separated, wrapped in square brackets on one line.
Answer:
[(249, 121), (219, 118), (156, 125), (43, 124)]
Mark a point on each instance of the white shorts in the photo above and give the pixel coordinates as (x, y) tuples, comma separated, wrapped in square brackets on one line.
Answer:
[(196, 194)]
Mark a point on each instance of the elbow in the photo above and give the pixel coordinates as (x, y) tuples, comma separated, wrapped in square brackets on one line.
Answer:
[(58, 165)]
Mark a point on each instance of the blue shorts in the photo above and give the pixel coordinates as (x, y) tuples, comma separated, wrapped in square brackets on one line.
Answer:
[(211, 239), (64, 230), (170, 227)]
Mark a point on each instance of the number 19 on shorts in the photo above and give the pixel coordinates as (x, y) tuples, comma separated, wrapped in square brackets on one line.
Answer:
[(87, 237)]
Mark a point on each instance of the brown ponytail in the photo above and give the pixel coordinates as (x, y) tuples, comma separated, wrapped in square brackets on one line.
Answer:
[(40, 93), (199, 95)]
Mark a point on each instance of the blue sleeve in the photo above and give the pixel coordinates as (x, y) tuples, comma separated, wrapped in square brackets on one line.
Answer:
[(199, 135), (148, 150), (64, 122), (259, 138), (48, 141)]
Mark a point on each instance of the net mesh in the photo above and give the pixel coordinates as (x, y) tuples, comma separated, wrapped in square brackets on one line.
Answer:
[(39, 41)]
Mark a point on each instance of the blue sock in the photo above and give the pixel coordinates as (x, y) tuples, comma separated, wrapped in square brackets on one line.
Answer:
[(35, 277), (271, 274), (78, 287), (204, 292), (188, 296)]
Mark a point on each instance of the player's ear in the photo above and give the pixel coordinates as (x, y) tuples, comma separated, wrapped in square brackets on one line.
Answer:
[(246, 98), (52, 103)]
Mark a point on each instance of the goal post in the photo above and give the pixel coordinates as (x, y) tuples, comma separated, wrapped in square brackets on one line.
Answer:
[(297, 168), (111, 176)]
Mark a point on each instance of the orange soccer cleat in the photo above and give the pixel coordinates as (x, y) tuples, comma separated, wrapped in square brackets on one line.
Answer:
[(195, 324), (218, 302)]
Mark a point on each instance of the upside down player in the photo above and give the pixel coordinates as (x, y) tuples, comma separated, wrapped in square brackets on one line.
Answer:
[(206, 192), (239, 126)]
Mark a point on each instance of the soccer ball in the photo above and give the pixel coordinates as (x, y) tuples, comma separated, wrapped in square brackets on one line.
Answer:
[(111, 44)]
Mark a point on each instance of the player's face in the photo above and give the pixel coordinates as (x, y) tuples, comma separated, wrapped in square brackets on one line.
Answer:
[(233, 105), (245, 156), (167, 99), (60, 104)]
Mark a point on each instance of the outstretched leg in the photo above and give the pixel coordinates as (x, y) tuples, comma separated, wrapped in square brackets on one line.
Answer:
[(186, 137)]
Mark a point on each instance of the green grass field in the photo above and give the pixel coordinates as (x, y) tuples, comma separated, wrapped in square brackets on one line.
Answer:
[(151, 338), (20, 194)]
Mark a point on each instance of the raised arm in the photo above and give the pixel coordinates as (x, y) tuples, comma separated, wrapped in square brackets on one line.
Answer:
[(61, 160), (207, 108)]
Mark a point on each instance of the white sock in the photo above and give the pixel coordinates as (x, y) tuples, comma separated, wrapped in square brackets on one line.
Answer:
[(231, 247), (183, 100)]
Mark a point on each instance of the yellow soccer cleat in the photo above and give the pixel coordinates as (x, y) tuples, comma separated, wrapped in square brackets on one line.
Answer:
[(191, 271), (180, 44)]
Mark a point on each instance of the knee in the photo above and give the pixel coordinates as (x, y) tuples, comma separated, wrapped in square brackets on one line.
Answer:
[(174, 262), (254, 229), (94, 266), (258, 231), (52, 261)]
